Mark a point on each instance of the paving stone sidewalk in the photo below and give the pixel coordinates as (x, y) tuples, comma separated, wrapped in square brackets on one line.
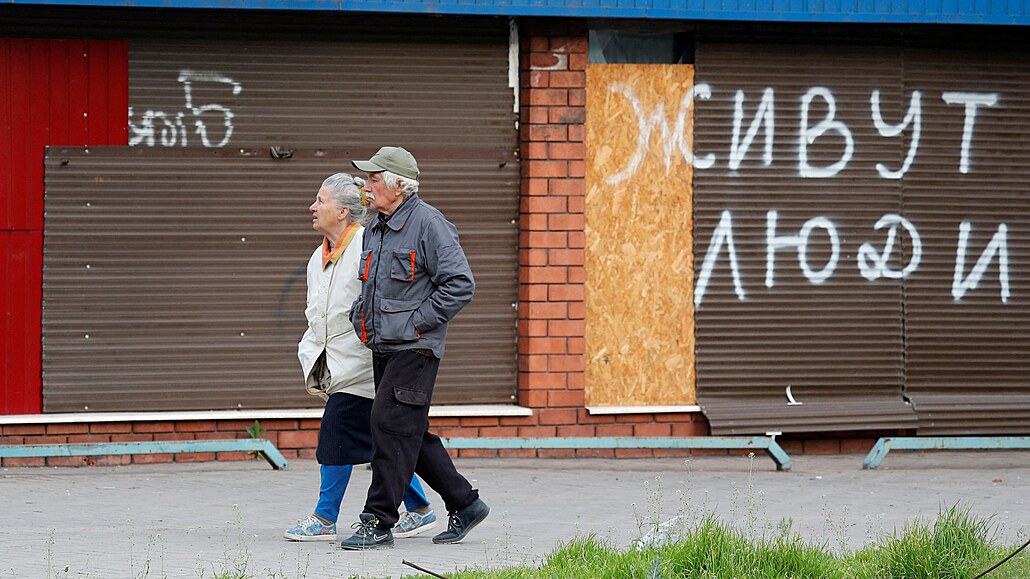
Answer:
[(196, 520)]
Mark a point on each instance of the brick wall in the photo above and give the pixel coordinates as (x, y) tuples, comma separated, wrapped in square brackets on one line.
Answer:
[(552, 307), (293, 438)]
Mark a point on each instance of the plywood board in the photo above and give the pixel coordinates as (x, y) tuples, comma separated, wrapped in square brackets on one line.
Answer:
[(639, 257)]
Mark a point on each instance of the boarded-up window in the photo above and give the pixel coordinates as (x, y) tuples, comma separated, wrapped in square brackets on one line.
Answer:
[(639, 260)]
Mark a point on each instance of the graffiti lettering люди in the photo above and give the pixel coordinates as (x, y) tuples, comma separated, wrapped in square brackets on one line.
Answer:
[(800, 242), (997, 246), (872, 264)]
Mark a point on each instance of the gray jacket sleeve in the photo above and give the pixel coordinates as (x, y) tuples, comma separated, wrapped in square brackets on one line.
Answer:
[(449, 272)]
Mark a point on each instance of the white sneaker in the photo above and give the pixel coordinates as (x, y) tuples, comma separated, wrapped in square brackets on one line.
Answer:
[(412, 523), (311, 529)]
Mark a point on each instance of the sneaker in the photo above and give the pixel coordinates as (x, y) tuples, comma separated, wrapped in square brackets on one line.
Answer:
[(459, 523), (312, 529), (413, 523), (367, 535)]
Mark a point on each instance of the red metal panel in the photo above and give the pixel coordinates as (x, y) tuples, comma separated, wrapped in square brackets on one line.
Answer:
[(17, 217), (21, 266), (6, 169), (77, 59), (59, 90), (37, 132), (51, 92), (117, 90), (117, 94), (97, 94)]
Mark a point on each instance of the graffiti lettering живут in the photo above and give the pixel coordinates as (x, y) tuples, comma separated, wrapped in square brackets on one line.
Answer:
[(872, 263), (673, 140)]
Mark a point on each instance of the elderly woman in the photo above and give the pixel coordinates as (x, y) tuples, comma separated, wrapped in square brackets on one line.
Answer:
[(337, 366)]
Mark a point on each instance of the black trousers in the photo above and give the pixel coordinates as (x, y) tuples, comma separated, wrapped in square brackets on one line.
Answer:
[(401, 441)]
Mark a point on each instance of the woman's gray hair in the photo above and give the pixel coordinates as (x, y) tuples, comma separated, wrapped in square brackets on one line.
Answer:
[(408, 186), (346, 192)]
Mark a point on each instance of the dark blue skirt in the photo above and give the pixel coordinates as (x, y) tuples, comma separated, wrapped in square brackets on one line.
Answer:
[(345, 435)]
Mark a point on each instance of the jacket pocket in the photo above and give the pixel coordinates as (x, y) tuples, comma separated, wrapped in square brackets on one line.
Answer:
[(395, 321), (405, 414), (365, 265), (412, 397), (402, 265), (357, 319)]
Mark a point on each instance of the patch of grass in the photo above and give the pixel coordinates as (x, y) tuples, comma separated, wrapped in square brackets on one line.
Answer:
[(957, 545)]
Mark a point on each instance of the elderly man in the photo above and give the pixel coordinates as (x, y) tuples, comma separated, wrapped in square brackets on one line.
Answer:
[(337, 367), (415, 278)]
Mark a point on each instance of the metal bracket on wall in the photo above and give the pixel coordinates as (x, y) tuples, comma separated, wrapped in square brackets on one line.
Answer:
[(885, 445), (268, 450), (766, 443)]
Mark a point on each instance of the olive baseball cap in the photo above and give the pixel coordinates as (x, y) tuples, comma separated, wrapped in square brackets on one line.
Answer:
[(393, 159)]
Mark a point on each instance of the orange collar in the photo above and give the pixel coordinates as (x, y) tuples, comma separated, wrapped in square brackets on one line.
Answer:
[(340, 246)]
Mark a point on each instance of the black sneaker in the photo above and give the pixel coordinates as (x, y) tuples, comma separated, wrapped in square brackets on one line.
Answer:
[(367, 535), (459, 523)]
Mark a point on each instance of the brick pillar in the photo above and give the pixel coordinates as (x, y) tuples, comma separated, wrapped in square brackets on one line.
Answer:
[(551, 241)]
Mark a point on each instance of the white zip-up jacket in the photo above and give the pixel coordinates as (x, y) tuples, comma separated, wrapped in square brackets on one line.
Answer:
[(331, 292)]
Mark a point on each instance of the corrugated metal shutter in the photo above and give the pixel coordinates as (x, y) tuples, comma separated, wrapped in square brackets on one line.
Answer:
[(323, 94), (968, 359), (444, 96), (837, 344), (175, 280)]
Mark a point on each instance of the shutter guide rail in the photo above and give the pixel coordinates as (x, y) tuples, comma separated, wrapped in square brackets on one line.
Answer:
[(886, 444), (259, 445), (766, 443)]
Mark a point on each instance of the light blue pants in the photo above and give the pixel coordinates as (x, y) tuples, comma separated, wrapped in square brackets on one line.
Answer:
[(334, 484)]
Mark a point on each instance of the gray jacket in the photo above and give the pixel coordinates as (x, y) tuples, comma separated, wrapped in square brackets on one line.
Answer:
[(415, 278)]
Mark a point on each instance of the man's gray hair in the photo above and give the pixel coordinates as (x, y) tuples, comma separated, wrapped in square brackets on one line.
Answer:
[(346, 192), (408, 186)]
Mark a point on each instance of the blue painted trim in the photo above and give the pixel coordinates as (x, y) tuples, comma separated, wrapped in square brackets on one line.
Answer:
[(268, 450), (766, 443), (853, 11), (884, 445)]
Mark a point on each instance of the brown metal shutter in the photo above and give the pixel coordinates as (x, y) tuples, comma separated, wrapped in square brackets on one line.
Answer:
[(176, 335), (836, 344), (175, 280), (327, 94), (968, 360)]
